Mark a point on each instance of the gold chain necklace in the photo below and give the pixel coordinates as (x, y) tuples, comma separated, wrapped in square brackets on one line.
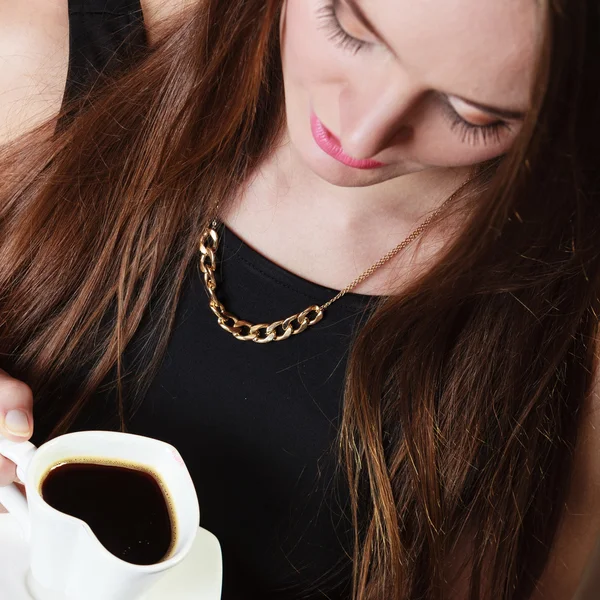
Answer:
[(262, 333)]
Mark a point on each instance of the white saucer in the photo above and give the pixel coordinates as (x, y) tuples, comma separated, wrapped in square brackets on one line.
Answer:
[(198, 577)]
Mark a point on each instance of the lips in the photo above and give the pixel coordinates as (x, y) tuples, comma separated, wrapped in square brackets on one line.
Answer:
[(331, 145)]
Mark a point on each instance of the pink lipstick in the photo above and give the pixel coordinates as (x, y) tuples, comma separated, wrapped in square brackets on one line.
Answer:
[(331, 145)]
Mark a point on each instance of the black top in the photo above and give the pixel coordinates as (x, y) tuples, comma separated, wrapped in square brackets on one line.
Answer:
[(255, 423), (103, 36)]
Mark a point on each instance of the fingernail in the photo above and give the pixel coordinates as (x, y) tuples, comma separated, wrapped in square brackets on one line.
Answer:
[(17, 422)]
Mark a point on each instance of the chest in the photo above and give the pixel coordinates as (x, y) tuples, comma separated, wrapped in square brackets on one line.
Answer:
[(256, 424)]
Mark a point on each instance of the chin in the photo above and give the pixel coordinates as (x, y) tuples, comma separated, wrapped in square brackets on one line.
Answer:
[(338, 174)]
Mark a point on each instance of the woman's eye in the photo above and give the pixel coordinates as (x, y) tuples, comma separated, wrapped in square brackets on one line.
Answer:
[(336, 33), (475, 134)]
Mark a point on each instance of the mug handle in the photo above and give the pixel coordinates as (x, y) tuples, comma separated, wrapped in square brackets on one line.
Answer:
[(11, 498)]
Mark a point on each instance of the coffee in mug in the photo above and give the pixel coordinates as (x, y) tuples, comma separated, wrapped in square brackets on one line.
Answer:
[(111, 481), (125, 505)]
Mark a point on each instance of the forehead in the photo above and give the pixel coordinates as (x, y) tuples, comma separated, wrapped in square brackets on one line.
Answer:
[(484, 49)]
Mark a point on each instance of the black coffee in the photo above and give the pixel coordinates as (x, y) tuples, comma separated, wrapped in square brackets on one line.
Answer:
[(125, 507)]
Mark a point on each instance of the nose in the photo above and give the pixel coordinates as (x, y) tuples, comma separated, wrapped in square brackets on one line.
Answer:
[(376, 115)]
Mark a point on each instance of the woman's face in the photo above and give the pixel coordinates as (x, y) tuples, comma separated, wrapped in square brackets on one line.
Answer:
[(376, 89)]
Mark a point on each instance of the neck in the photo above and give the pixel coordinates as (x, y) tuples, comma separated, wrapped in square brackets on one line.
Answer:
[(330, 234), (284, 184)]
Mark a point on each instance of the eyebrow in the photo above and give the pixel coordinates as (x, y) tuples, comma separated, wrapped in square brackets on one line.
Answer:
[(502, 113)]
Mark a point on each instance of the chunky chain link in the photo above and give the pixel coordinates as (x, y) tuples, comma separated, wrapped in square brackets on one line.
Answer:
[(240, 329), (277, 331)]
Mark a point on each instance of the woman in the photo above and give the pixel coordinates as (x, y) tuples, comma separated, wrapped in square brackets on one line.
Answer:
[(428, 434)]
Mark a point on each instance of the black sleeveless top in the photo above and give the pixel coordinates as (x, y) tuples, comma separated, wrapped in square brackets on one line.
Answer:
[(255, 423)]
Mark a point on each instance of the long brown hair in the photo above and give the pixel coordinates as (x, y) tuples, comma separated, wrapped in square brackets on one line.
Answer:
[(462, 393)]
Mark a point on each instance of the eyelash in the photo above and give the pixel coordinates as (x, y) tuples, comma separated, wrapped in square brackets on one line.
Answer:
[(467, 132), (336, 33), (474, 134)]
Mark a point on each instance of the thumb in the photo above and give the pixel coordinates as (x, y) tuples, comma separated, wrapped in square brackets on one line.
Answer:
[(16, 402)]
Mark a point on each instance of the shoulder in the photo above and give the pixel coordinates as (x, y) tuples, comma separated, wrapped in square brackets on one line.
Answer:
[(33, 62), (34, 57), (575, 555)]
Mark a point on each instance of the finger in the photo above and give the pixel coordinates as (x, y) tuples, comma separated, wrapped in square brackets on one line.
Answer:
[(7, 471), (16, 401)]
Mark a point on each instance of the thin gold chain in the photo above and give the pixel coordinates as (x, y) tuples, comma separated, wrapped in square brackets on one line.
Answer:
[(262, 333)]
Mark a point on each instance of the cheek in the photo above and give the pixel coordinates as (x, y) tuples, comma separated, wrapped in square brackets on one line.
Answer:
[(308, 57), (437, 145)]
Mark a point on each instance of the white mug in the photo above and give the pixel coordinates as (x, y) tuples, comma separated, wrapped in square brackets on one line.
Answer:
[(67, 560)]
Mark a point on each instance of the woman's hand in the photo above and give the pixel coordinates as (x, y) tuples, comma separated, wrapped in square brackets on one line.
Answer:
[(16, 418)]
